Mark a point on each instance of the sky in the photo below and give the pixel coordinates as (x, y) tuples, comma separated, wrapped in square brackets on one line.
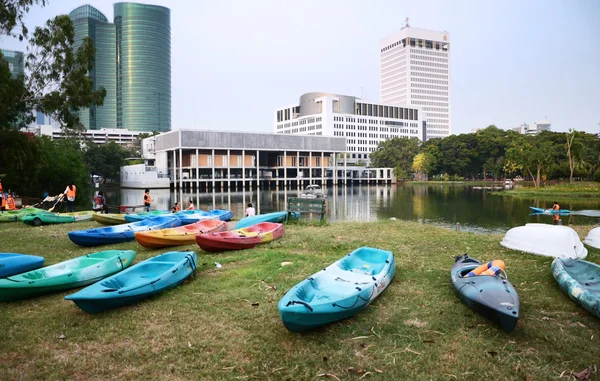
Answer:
[(511, 62)]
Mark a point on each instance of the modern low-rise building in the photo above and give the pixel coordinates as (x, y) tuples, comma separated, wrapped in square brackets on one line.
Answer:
[(101, 136), (533, 128), (363, 124)]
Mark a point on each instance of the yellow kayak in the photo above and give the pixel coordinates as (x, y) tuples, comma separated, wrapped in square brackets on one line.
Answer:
[(183, 235), (110, 218)]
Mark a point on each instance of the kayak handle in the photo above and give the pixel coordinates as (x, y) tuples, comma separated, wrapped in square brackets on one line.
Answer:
[(300, 302)]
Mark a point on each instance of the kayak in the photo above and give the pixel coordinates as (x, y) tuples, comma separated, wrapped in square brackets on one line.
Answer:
[(109, 218), (269, 217), (339, 291), (16, 215), (580, 280), (13, 263), (75, 272), (140, 281), (121, 233), (192, 216), (223, 215), (593, 238), (239, 239), (183, 235), (47, 218), (494, 297), (136, 217), (550, 211), (547, 240)]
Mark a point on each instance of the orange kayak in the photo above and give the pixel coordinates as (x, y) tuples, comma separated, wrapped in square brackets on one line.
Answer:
[(183, 235), (239, 239)]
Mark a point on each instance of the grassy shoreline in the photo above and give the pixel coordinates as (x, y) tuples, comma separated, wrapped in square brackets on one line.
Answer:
[(559, 191), (211, 328)]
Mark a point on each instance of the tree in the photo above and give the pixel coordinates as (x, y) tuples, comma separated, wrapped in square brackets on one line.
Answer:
[(570, 137), (422, 164), (57, 80), (397, 153), (106, 159), (11, 14), (532, 154)]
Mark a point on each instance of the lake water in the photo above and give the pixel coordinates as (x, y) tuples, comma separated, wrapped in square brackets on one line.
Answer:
[(446, 205)]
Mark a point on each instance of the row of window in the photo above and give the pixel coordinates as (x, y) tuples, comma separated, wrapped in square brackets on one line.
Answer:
[(430, 64), (434, 87), (420, 57), (427, 80), (428, 69), (430, 92), (437, 121), (428, 75), (423, 103), (429, 98), (436, 109), (386, 111), (429, 53), (417, 42)]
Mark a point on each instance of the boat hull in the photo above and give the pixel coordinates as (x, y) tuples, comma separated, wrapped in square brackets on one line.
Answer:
[(13, 263), (240, 239), (493, 297), (580, 280), (277, 217), (109, 218), (549, 211), (184, 235)]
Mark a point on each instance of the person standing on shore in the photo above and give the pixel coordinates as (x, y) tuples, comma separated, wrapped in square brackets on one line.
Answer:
[(2, 198), (250, 211), (70, 192), (147, 200)]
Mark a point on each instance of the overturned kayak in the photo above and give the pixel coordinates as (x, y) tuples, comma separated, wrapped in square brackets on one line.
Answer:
[(549, 211), (47, 218), (13, 263), (593, 238), (547, 240), (492, 296), (269, 217), (136, 217), (138, 282), (109, 218), (339, 291), (76, 272), (121, 233), (580, 280), (183, 235), (192, 216), (240, 239), (221, 214)]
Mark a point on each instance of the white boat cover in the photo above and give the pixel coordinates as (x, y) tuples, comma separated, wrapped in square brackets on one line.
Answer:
[(548, 240), (593, 238)]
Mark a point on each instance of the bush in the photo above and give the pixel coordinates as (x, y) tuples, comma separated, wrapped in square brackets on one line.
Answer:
[(597, 176)]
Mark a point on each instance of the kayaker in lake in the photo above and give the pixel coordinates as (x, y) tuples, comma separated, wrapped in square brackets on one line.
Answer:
[(556, 206), (147, 200), (70, 192), (191, 206), (250, 211)]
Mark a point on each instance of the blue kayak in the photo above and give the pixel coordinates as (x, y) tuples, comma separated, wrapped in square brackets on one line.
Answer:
[(269, 217), (136, 217), (188, 217), (140, 281), (121, 233), (339, 291), (221, 214), (12, 263), (549, 211)]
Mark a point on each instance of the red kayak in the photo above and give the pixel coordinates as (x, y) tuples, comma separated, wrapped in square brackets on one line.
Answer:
[(239, 239)]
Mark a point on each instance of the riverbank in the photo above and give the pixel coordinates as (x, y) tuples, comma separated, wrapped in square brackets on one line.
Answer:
[(224, 324), (564, 191)]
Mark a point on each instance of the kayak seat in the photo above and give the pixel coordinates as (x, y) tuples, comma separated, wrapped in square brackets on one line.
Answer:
[(358, 265)]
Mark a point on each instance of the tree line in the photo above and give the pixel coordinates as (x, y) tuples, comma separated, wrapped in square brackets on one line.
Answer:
[(493, 153)]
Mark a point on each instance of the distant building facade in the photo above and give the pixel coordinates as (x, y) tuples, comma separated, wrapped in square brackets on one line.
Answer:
[(533, 128), (133, 64), (363, 124), (15, 62), (101, 136), (415, 71)]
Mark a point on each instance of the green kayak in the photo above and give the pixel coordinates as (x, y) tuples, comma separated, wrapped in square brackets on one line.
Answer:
[(46, 218), (16, 215), (75, 272)]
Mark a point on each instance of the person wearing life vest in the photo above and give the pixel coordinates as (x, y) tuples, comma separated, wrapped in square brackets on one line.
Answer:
[(70, 192), (147, 200), (2, 202), (176, 208), (100, 203), (10, 202), (190, 206), (555, 206)]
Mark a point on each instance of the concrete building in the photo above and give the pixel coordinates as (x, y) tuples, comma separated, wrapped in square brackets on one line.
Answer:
[(415, 71), (101, 136), (15, 61), (363, 124), (133, 64), (533, 128), (205, 160)]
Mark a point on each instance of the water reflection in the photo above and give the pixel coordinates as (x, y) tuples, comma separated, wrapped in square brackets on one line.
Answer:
[(446, 205)]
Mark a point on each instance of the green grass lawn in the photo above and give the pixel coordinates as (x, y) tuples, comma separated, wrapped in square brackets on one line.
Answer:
[(559, 191), (224, 324)]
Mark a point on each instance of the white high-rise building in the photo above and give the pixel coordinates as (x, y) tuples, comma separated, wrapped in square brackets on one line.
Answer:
[(415, 71), (364, 124)]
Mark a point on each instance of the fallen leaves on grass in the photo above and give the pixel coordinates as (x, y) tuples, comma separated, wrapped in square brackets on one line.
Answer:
[(584, 374), (415, 323), (328, 375)]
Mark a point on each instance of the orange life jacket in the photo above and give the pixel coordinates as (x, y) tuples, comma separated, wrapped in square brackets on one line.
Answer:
[(147, 199), (10, 203), (556, 207), (71, 192), (177, 208), (3, 204), (0, 187)]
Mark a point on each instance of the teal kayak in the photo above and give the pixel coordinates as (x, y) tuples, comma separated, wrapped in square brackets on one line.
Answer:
[(75, 272), (16, 215), (143, 215), (269, 217), (549, 211), (47, 218), (339, 291), (138, 282), (580, 280)]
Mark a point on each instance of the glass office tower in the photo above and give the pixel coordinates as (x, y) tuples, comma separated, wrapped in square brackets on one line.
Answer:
[(143, 35), (90, 22), (15, 62)]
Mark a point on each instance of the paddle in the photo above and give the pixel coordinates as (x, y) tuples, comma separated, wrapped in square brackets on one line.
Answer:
[(60, 198), (48, 198)]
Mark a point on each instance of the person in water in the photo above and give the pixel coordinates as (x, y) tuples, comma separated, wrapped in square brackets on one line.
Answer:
[(556, 206)]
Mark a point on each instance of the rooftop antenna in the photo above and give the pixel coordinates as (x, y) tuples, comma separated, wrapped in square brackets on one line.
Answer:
[(406, 24)]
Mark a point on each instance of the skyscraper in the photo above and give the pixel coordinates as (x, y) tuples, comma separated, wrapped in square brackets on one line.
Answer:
[(15, 62), (415, 71), (90, 22), (133, 64), (143, 67)]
